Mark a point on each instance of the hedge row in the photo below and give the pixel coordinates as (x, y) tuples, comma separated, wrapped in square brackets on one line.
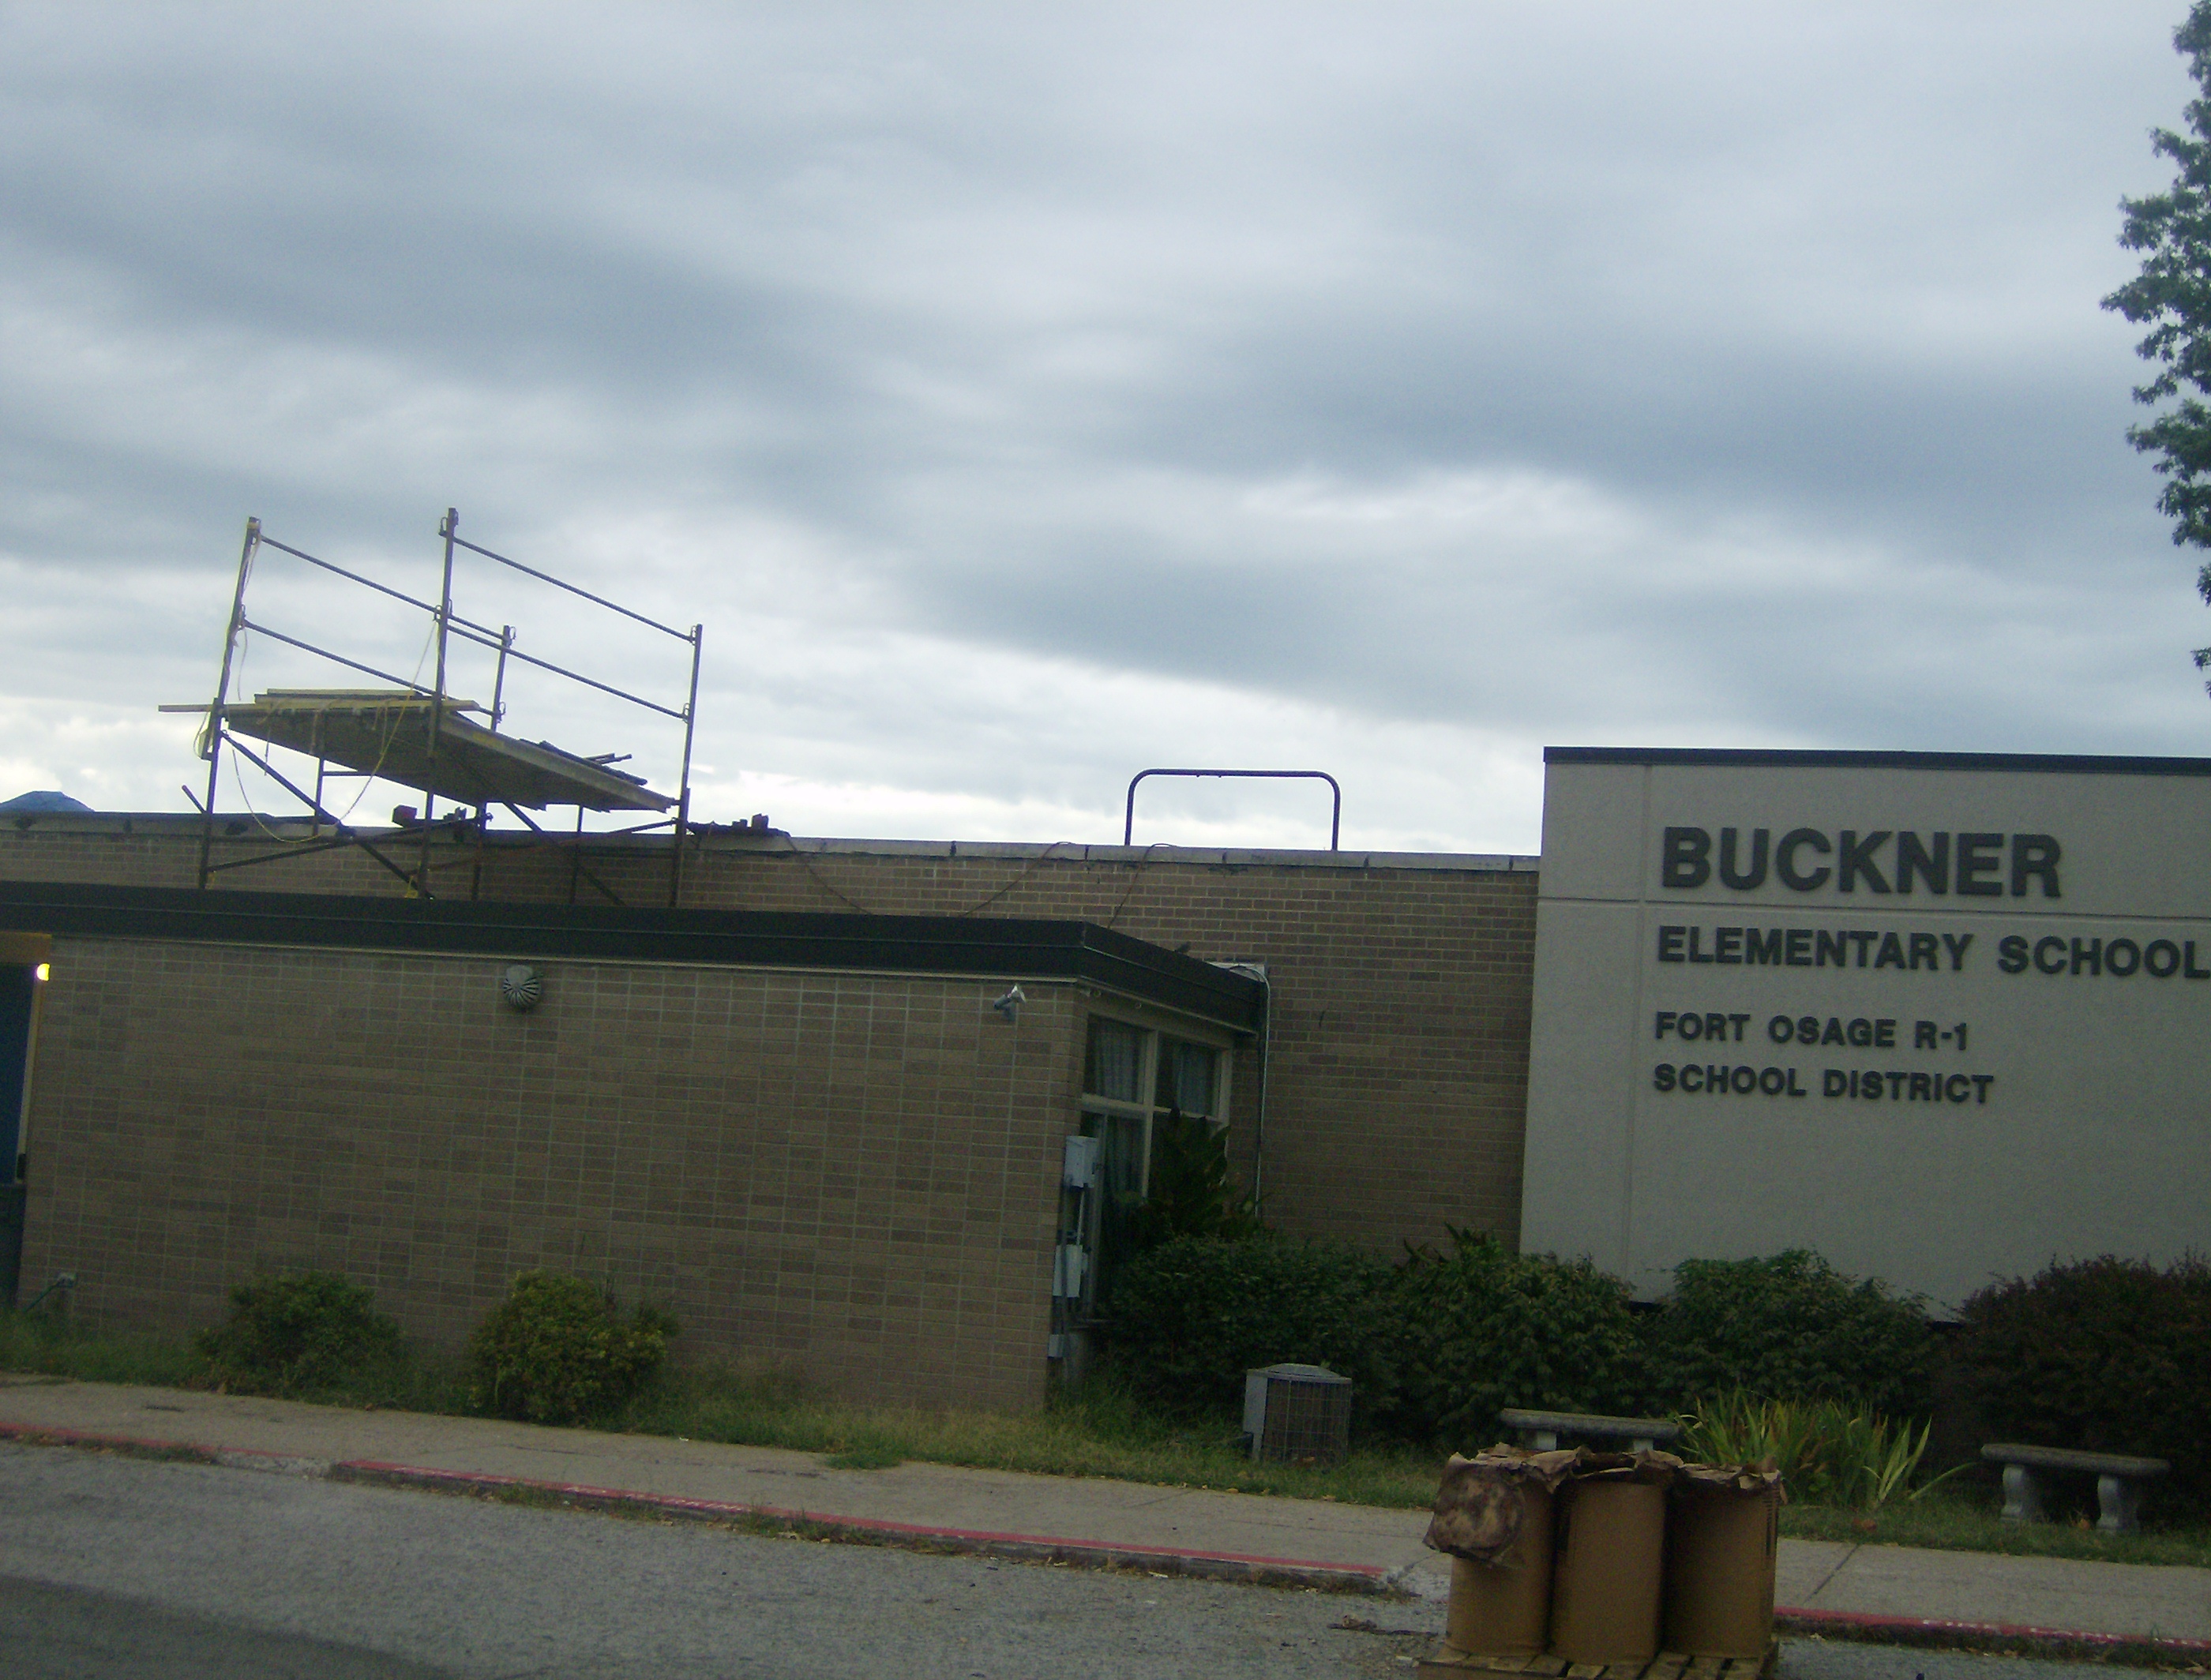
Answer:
[(2107, 1352), (554, 1351), (2109, 1355)]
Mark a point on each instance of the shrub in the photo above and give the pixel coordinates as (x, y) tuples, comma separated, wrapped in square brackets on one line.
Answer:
[(314, 1330), (1191, 1315), (1828, 1454), (1484, 1329), (1192, 1192), (556, 1351), (1791, 1327), (2106, 1355)]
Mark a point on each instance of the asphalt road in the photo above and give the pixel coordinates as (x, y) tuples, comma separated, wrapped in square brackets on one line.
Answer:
[(121, 1567)]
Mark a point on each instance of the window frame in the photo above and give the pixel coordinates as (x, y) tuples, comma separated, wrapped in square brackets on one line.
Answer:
[(1155, 1032)]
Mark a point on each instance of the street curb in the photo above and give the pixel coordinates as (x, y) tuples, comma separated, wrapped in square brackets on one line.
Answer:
[(1367, 1580), (1997, 1638), (1359, 1578), (175, 1452)]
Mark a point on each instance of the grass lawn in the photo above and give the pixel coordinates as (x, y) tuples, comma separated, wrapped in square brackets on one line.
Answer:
[(1103, 1432), (1965, 1520)]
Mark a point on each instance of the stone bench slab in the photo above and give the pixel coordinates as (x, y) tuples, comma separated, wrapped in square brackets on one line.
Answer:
[(2119, 1477), (2065, 1458), (1542, 1429)]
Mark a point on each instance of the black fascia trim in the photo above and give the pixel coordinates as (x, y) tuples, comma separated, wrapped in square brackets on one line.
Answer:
[(2078, 764), (1016, 947)]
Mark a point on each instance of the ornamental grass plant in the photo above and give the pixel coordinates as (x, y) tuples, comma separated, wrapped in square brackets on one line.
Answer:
[(1828, 1454)]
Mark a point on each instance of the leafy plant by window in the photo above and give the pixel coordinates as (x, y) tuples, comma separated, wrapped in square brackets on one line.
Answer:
[(557, 1352), (1789, 1326), (1484, 1329), (1193, 1194), (313, 1331), (2107, 1355), (1193, 1314)]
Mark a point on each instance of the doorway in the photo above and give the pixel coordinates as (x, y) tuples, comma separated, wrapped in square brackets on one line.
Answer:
[(24, 964)]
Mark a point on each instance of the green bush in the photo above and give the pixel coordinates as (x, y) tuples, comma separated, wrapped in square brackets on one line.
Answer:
[(1192, 1191), (314, 1331), (556, 1351), (1483, 1329), (1790, 1327), (1828, 1454), (1191, 1315), (2105, 1355)]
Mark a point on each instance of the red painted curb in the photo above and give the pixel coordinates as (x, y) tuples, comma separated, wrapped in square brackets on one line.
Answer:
[(1166, 1560), (1920, 1631), (50, 1434)]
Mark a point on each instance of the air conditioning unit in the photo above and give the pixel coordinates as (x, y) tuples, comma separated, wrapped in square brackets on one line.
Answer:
[(1294, 1412)]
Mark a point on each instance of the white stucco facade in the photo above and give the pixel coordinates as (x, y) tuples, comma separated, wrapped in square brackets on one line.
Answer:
[(1957, 1008)]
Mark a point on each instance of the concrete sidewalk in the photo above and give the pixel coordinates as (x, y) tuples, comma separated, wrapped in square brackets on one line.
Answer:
[(1891, 1592)]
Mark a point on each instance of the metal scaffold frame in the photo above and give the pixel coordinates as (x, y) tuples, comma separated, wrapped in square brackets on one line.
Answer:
[(455, 752)]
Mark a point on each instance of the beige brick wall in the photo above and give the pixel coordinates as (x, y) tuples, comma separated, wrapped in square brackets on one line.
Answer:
[(1397, 1099), (853, 1176), (1398, 1095)]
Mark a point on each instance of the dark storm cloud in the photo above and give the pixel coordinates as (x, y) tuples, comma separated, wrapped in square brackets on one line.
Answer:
[(1710, 374)]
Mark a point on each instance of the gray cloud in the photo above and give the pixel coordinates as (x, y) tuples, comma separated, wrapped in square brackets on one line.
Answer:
[(1416, 384)]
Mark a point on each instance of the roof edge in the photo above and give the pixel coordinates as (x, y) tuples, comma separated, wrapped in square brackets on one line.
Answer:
[(1004, 947), (743, 841), (1781, 758)]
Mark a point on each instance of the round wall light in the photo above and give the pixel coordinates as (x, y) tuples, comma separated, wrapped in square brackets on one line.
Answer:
[(522, 985)]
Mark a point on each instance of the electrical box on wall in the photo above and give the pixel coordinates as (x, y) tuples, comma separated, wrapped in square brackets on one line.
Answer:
[(1071, 1265), (1079, 1166)]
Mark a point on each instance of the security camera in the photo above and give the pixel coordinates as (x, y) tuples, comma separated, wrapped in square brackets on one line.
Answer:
[(1010, 1005)]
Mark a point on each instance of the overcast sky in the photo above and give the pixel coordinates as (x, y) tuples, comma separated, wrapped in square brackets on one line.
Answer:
[(1023, 396)]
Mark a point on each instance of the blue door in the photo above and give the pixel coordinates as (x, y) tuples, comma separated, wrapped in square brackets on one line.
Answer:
[(19, 996)]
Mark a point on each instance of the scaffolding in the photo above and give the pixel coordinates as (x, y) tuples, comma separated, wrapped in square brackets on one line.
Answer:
[(430, 740)]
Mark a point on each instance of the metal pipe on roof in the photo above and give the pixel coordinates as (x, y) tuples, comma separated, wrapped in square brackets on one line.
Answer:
[(1336, 813), (222, 692)]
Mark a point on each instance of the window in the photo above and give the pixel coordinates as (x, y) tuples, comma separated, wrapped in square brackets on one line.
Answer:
[(1133, 1078)]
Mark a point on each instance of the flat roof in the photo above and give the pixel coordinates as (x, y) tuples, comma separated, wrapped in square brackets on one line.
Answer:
[(233, 827), (2075, 764), (1000, 948)]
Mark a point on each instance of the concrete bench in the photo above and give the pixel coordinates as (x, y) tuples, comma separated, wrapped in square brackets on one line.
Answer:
[(2119, 1478), (1540, 1430)]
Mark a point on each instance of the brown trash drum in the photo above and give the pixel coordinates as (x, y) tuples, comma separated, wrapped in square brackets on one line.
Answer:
[(1606, 1583), (1722, 1537), (1493, 1515)]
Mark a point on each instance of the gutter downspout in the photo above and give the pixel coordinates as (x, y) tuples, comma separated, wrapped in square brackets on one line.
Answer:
[(1259, 971)]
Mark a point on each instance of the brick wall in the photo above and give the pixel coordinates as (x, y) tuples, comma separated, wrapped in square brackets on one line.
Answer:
[(1397, 1095), (854, 1175), (1401, 986)]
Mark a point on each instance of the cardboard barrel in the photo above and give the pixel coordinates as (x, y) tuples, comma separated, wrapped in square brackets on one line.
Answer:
[(1504, 1608), (1605, 1587), (1721, 1544)]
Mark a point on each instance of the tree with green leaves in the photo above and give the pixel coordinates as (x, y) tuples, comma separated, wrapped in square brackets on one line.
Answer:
[(2172, 297)]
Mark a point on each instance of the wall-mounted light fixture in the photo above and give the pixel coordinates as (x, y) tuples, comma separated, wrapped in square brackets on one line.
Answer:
[(522, 985), (1010, 1005), (43, 973)]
